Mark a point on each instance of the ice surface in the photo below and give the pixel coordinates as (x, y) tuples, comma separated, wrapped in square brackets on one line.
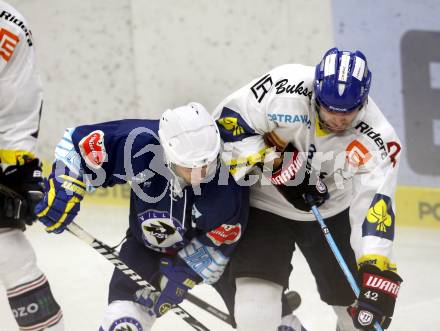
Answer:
[(79, 278)]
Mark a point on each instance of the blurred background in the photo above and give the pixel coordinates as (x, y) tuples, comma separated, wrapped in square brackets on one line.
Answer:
[(109, 59)]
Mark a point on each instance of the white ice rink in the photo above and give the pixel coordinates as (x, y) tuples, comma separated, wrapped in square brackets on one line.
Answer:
[(79, 278)]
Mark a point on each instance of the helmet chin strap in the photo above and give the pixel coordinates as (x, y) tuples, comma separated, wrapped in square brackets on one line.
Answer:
[(323, 123), (177, 183)]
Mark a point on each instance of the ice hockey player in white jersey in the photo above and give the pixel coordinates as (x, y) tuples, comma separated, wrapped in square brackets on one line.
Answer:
[(315, 131), (28, 291)]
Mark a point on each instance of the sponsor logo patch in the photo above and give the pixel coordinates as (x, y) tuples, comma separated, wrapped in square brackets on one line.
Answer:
[(368, 130), (357, 154), (232, 127), (8, 42), (260, 88), (393, 148), (92, 149), (225, 234), (381, 284), (284, 86), (287, 118), (126, 324), (15, 20), (380, 218)]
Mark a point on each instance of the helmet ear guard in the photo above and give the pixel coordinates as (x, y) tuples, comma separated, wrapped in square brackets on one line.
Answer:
[(342, 80)]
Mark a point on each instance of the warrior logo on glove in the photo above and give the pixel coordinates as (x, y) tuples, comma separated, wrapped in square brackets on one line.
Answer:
[(365, 317)]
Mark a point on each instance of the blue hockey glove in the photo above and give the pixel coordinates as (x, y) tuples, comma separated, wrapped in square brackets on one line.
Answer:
[(61, 202), (175, 281), (379, 290)]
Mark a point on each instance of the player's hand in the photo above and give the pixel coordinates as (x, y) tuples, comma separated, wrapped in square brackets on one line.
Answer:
[(175, 281), (61, 202), (294, 181), (379, 290), (27, 181)]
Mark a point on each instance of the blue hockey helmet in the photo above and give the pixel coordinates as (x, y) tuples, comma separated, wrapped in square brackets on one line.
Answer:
[(342, 80)]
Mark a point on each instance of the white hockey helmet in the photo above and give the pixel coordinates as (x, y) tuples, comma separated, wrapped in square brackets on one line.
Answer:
[(189, 136)]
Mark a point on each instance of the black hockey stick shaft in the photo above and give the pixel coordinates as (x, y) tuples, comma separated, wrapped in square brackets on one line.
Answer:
[(210, 309), (111, 256)]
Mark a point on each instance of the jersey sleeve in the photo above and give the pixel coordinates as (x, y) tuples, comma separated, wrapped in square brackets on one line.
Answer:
[(110, 153), (220, 218), (242, 121), (20, 91), (372, 209)]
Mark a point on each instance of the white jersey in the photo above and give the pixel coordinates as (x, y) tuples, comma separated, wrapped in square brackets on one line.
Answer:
[(20, 88), (359, 166)]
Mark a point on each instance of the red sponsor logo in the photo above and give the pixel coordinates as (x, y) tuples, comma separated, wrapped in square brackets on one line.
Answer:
[(381, 284), (8, 42), (285, 174), (92, 149), (225, 234), (357, 154), (393, 150)]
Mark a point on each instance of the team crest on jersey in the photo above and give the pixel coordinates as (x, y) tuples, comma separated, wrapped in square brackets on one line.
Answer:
[(159, 229), (92, 149), (380, 218), (126, 324), (232, 126), (225, 234)]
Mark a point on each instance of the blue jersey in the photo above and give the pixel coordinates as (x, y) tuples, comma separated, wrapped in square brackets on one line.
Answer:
[(202, 224)]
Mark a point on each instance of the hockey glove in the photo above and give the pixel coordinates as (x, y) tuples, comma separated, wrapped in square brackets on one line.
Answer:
[(61, 203), (175, 281), (287, 179), (377, 298), (27, 181)]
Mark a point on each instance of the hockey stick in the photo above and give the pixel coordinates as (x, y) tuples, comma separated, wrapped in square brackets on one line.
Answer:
[(112, 256), (293, 298), (337, 253)]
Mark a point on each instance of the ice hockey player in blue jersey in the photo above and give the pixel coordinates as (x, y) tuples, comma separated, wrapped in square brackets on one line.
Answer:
[(186, 216)]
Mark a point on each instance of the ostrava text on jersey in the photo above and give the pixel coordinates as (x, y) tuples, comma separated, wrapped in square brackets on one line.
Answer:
[(359, 166), (202, 223)]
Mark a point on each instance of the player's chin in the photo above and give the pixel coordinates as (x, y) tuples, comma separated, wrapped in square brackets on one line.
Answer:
[(337, 129), (196, 181)]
